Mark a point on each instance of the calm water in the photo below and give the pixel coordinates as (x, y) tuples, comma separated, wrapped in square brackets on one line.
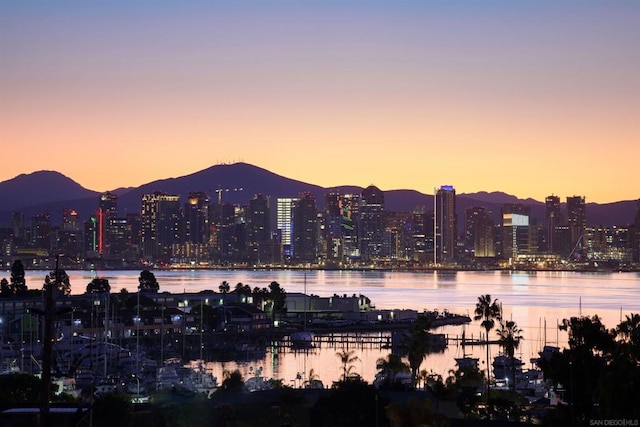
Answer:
[(531, 299)]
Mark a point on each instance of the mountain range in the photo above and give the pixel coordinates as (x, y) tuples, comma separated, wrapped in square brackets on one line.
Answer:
[(50, 191)]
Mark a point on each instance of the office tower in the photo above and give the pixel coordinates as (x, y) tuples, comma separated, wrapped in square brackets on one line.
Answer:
[(304, 230), (422, 234), (332, 226), (349, 208), (196, 218), (107, 209), (517, 234), (479, 236), (446, 225), (259, 230), (160, 225), (371, 223), (70, 219), (17, 225), (283, 224), (41, 231), (397, 243), (577, 222), (553, 219)]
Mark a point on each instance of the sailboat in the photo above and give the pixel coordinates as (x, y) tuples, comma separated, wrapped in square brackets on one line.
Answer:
[(304, 338)]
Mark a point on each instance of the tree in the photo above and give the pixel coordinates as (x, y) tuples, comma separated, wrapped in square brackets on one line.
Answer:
[(488, 311), (99, 285), (5, 289), (509, 339), (224, 289), (18, 283), (148, 282), (598, 372), (347, 358), (390, 367), (278, 297), (60, 280), (417, 345)]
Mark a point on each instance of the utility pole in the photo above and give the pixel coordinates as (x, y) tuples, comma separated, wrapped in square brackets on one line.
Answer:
[(49, 313)]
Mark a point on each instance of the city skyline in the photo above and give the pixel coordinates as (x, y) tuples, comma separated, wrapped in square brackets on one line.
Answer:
[(531, 99)]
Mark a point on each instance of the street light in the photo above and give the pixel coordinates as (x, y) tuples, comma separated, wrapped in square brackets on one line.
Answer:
[(138, 381)]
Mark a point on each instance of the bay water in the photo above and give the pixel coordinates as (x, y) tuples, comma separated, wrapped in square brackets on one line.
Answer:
[(536, 301)]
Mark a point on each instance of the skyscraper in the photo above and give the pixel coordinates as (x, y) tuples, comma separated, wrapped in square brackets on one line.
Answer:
[(371, 223), (304, 218), (283, 224), (517, 234), (577, 222), (446, 225), (259, 229), (552, 220), (107, 210), (160, 225), (479, 236)]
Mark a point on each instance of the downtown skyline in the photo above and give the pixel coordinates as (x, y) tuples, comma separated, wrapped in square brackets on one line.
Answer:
[(532, 98)]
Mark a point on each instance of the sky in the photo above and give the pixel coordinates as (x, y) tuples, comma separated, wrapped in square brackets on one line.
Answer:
[(532, 97)]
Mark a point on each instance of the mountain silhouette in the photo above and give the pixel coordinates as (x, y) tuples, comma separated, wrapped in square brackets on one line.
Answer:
[(49, 191)]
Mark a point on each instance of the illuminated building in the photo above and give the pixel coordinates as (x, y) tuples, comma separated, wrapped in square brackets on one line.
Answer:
[(371, 223), (304, 229), (446, 225)]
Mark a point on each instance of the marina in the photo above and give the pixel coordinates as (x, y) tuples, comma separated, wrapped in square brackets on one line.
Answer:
[(530, 299)]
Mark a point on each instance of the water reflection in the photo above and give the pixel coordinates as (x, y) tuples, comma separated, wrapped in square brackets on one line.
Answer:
[(530, 299)]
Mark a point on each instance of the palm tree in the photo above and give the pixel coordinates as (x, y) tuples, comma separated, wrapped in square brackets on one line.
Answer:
[(347, 358), (488, 311), (224, 289), (418, 345), (391, 367), (509, 338)]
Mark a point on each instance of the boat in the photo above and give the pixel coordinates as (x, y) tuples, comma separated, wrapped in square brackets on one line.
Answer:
[(302, 339), (167, 377), (503, 366)]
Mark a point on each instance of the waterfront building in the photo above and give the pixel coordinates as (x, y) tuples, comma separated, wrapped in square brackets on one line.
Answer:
[(283, 224), (446, 225), (479, 232), (41, 231), (518, 235), (553, 218), (371, 223), (422, 234), (259, 230), (305, 232), (107, 210), (160, 225), (577, 222)]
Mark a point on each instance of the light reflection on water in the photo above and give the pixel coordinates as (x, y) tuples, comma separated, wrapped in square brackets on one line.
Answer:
[(531, 299)]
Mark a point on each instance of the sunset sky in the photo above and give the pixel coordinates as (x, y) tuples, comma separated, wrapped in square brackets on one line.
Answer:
[(526, 97)]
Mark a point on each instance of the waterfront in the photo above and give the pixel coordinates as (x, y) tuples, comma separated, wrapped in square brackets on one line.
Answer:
[(529, 298)]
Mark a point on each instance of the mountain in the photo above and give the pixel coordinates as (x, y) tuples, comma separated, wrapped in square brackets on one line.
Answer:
[(48, 191)]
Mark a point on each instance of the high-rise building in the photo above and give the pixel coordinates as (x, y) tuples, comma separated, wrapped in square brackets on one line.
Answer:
[(446, 225), (553, 219), (349, 210), (259, 230), (70, 219), (577, 222), (41, 231), (196, 218), (304, 236), (284, 224), (518, 237), (371, 223), (160, 225), (107, 210), (478, 233)]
